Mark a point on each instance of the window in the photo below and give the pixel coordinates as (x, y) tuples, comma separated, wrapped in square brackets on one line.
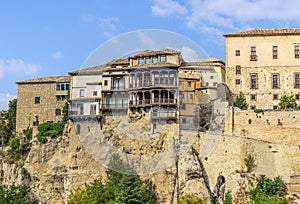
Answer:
[(81, 93), (237, 81), (275, 107), (37, 100), (78, 129), (237, 53), (154, 60), (207, 84), (253, 107), (238, 69), (141, 60), (297, 80), (189, 84), (296, 51), (62, 86), (105, 82), (253, 56), (119, 83), (253, 97), (57, 112), (275, 52), (148, 60), (297, 96), (192, 97), (275, 96), (253, 81), (163, 58), (95, 93), (215, 83), (183, 120), (275, 81), (211, 77)]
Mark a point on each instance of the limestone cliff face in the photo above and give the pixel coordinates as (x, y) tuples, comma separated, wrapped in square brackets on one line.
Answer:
[(70, 161)]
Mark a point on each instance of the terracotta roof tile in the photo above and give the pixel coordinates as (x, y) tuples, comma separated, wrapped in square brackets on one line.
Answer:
[(156, 52), (49, 79), (266, 32)]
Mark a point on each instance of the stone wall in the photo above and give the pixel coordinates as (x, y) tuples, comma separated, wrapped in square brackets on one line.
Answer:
[(27, 109)]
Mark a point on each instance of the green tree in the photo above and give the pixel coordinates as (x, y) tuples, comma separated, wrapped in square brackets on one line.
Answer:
[(268, 191), (241, 102), (8, 129), (228, 198), (191, 199), (15, 194), (120, 188), (286, 102)]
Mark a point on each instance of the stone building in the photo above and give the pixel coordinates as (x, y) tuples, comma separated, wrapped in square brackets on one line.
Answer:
[(264, 64), (41, 100), (85, 92), (148, 81)]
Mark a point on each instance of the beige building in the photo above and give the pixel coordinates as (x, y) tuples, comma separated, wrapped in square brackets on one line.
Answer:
[(148, 80), (41, 100), (264, 64)]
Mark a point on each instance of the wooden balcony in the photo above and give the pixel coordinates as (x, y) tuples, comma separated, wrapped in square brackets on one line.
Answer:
[(151, 102), (115, 106), (164, 116), (152, 84)]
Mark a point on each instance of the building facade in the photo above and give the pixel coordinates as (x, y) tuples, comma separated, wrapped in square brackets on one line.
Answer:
[(41, 100), (153, 81), (263, 64)]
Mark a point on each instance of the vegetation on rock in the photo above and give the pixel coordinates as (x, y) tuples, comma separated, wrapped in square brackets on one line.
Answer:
[(268, 191), (15, 194), (119, 188), (8, 128), (241, 102), (287, 102), (49, 129), (191, 199)]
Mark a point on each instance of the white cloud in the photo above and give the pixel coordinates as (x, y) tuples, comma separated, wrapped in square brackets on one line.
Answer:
[(218, 15), (167, 8), (57, 55), (189, 54), (18, 67), (4, 99), (109, 25)]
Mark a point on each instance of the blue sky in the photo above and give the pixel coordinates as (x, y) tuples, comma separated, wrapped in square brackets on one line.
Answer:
[(41, 38)]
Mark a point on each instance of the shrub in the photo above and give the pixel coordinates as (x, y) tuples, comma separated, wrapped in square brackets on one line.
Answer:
[(28, 133), (228, 198), (49, 129), (269, 191), (241, 102), (249, 163), (258, 110), (191, 199), (287, 102)]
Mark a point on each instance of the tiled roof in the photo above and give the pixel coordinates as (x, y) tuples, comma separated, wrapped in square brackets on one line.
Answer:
[(49, 79), (121, 61), (156, 52), (158, 64), (90, 70), (203, 62), (266, 32)]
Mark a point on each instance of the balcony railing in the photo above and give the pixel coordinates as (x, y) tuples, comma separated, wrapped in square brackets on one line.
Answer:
[(155, 101), (164, 115), (151, 84), (114, 106)]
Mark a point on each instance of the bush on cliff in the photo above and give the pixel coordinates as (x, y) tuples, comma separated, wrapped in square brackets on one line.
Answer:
[(49, 129), (119, 188)]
